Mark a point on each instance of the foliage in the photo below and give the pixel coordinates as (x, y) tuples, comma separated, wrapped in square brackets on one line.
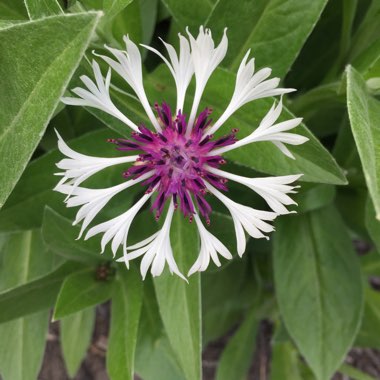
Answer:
[(308, 280)]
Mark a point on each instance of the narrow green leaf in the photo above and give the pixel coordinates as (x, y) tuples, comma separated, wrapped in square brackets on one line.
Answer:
[(23, 258), (192, 16), (75, 333), (309, 262), (125, 314), (372, 224), (354, 373), (276, 47), (36, 295), (237, 356), (371, 321), (152, 342), (58, 44), (180, 302), (364, 113), (81, 290), (285, 361), (42, 8)]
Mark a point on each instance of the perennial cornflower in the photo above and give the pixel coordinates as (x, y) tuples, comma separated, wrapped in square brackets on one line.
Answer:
[(176, 157)]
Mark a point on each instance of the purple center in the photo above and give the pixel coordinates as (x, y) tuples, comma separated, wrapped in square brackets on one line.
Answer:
[(178, 162)]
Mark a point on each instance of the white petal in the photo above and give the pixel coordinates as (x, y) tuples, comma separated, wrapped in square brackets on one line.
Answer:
[(273, 189), (205, 59), (97, 96), (249, 86), (244, 217), (156, 250), (210, 246), (128, 66), (268, 131)]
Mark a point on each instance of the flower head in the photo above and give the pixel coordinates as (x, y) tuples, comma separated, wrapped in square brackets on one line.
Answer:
[(177, 159)]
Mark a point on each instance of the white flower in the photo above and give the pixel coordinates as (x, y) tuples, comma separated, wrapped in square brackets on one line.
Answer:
[(210, 247), (78, 167), (181, 67), (177, 160), (97, 95), (156, 250), (268, 131)]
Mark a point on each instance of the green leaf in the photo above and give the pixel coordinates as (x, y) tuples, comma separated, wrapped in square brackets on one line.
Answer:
[(371, 321), (180, 302), (25, 207), (53, 47), (60, 236), (36, 295), (271, 28), (312, 159), (372, 224), (81, 290), (285, 361), (354, 373), (113, 7), (125, 314), (13, 10), (237, 356), (364, 112), (311, 198), (23, 257), (152, 342), (309, 262), (75, 333), (42, 8), (192, 16)]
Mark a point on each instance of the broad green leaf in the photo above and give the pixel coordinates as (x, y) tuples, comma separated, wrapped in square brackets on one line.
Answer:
[(285, 361), (28, 97), (113, 7), (180, 302), (364, 112), (271, 28), (125, 314), (37, 295), (309, 261), (25, 207), (223, 296), (75, 336), (13, 10), (42, 8), (237, 356), (311, 198), (81, 290), (193, 15), (61, 237), (23, 258), (312, 159)]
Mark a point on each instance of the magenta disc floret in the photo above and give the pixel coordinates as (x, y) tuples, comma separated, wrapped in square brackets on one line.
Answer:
[(179, 161)]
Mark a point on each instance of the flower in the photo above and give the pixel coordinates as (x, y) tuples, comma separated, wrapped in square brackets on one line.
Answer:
[(177, 159)]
